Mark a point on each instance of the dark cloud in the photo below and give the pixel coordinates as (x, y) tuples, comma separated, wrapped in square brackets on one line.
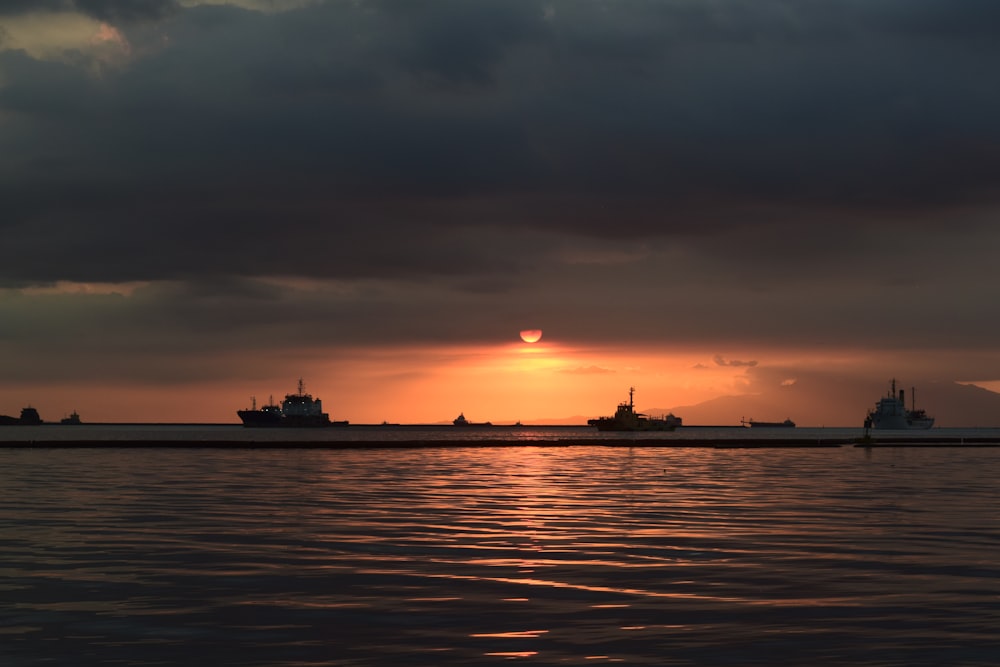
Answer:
[(769, 170), (456, 43), (671, 115), (105, 10), (720, 361)]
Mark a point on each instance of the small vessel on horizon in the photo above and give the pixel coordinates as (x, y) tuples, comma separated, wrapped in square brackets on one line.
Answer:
[(298, 410), (627, 419), (29, 417), (460, 420), (73, 419), (890, 412), (751, 423)]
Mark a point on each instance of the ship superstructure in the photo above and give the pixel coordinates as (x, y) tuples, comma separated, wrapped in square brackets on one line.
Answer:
[(296, 410), (890, 412)]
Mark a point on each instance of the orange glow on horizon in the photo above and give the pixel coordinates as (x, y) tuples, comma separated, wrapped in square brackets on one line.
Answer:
[(511, 382), (540, 383)]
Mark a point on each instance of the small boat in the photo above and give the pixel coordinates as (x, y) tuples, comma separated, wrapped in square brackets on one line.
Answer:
[(890, 412), (627, 419), (73, 419), (298, 410), (751, 423)]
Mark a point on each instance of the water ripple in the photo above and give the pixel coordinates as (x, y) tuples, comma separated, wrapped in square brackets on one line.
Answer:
[(480, 556)]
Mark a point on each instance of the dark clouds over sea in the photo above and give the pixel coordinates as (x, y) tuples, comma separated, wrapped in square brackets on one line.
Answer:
[(807, 172)]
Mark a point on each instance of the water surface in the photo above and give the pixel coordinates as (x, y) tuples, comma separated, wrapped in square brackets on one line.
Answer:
[(685, 556)]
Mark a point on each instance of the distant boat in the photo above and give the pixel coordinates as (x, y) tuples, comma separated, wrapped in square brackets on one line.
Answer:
[(73, 419), (460, 420), (627, 419), (751, 423), (29, 417), (890, 412), (298, 410)]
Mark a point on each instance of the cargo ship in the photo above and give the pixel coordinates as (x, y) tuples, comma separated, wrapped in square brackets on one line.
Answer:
[(890, 412), (627, 419), (751, 423), (29, 417), (460, 420), (298, 410)]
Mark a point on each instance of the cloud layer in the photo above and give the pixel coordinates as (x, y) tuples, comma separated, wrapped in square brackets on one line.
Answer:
[(773, 172)]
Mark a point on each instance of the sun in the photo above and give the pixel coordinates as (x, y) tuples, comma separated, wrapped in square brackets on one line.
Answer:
[(531, 335)]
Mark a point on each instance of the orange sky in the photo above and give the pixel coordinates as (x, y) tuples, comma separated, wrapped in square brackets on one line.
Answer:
[(507, 381), (504, 382)]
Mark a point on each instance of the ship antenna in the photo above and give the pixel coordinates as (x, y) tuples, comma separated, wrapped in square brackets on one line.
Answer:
[(301, 386), (630, 391), (253, 402)]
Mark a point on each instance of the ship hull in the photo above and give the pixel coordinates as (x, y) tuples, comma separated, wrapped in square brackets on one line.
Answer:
[(259, 418), (643, 425), (900, 423), (272, 419), (784, 424)]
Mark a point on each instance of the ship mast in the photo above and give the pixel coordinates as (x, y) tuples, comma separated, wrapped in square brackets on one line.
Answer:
[(631, 390)]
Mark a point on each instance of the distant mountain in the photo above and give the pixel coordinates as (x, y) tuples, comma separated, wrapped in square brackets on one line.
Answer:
[(950, 403)]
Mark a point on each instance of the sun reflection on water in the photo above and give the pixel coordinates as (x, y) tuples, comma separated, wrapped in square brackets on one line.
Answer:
[(552, 556)]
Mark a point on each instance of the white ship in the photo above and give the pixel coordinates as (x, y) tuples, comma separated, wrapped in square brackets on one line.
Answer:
[(297, 410), (890, 413)]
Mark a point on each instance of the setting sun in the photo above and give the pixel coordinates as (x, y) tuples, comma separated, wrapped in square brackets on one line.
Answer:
[(531, 335)]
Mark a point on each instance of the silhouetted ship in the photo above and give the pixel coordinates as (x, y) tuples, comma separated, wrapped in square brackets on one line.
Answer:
[(29, 417), (890, 413), (627, 419), (73, 419), (460, 420), (751, 423), (298, 410)]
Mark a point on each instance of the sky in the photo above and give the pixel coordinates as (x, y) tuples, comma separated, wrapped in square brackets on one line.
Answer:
[(202, 202)]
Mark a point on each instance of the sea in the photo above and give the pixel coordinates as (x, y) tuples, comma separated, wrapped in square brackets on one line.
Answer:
[(218, 545)]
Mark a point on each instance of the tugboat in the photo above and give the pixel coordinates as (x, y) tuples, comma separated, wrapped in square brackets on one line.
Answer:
[(627, 419), (297, 410), (890, 412)]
